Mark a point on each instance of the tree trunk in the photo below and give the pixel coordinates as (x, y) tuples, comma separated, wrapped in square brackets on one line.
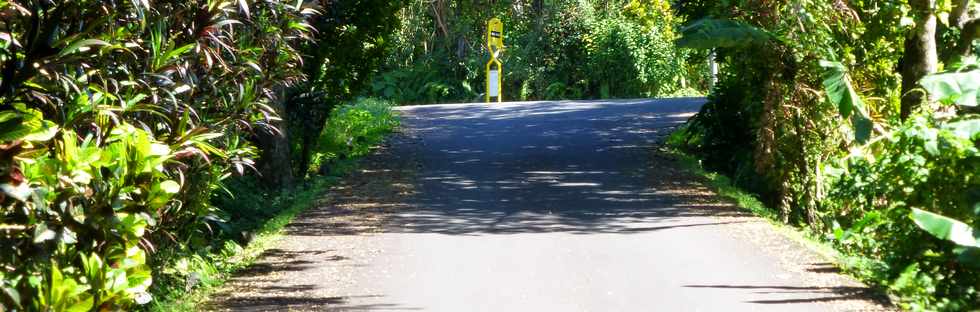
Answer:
[(275, 161), (960, 13), (968, 33), (920, 57)]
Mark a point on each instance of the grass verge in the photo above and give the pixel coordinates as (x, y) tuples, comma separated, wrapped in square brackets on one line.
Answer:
[(724, 187), (203, 274), (189, 277), (853, 265)]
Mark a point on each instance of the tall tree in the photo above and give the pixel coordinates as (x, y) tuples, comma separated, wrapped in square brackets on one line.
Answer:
[(920, 57), (350, 42)]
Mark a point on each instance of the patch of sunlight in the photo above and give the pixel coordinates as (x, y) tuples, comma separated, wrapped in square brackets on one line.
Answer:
[(577, 184)]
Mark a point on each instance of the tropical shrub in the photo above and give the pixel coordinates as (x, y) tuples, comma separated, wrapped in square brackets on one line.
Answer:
[(921, 165), (629, 60), (811, 114), (118, 121), (353, 38), (352, 130), (553, 50)]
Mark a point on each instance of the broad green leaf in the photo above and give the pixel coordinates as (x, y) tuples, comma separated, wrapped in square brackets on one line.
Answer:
[(17, 125), (45, 132), (42, 233), (945, 228), (85, 304), (130, 223), (709, 33), (170, 187), (81, 44), (837, 83), (968, 256), (960, 88), (838, 87), (968, 129)]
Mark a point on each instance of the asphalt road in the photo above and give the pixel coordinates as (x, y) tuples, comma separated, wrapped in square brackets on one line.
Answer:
[(549, 206)]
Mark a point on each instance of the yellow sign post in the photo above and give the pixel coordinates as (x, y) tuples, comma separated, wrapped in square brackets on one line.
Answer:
[(495, 42)]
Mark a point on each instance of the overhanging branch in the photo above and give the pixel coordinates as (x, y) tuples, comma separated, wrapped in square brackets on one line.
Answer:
[(969, 32)]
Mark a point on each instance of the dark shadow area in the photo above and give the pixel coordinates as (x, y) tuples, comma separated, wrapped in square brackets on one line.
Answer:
[(306, 303), (544, 167), (576, 167), (278, 260), (824, 267), (804, 294)]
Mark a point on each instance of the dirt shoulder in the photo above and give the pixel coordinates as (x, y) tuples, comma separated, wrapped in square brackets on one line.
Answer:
[(311, 263)]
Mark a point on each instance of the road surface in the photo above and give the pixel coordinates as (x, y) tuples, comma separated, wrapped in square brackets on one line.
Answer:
[(541, 206)]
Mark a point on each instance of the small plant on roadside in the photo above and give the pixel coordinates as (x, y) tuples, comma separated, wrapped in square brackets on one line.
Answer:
[(353, 130)]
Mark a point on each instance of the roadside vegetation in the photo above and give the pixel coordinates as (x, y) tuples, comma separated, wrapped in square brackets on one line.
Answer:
[(143, 144), (554, 49), (150, 148), (857, 121), (256, 214)]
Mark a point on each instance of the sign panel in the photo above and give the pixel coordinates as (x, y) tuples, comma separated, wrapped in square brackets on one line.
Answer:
[(495, 34), (494, 86), (495, 43)]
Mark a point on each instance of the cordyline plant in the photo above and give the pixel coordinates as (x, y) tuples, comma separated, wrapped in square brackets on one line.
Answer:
[(117, 120)]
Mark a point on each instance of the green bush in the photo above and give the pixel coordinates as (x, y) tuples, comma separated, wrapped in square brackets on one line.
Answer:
[(926, 165), (117, 122), (806, 115), (553, 50), (628, 60), (352, 130)]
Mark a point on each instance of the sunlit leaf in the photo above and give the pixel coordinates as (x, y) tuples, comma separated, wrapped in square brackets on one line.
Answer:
[(42, 233), (709, 33), (80, 45), (837, 83), (945, 228), (170, 187), (960, 88), (968, 129)]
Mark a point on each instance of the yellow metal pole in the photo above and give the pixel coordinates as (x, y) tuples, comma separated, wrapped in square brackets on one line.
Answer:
[(495, 44), (488, 81), (500, 82)]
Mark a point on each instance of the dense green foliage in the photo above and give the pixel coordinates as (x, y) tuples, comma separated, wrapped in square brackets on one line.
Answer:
[(121, 122), (352, 39), (142, 144), (554, 49), (354, 129), (810, 114), (918, 165), (256, 213)]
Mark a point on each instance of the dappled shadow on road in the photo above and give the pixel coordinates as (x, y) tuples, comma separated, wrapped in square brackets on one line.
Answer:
[(497, 170), (575, 167), (783, 294), (291, 277), (308, 303), (579, 202)]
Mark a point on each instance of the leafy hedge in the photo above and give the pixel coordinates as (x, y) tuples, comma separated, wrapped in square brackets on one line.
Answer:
[(352, 130), (924, 164), (118, 119), (810, 115), (553, 50)]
